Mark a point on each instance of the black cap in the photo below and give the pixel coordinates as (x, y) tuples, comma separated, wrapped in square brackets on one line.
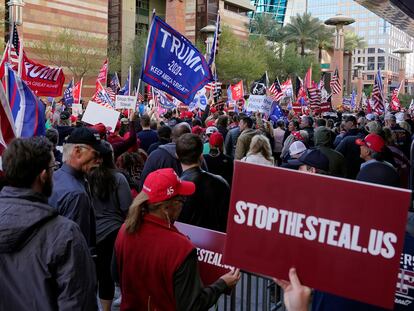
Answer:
[(86, 136), (314, 158)]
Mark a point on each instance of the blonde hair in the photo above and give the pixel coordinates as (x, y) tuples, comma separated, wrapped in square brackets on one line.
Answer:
[(260, 144), (140, 207)]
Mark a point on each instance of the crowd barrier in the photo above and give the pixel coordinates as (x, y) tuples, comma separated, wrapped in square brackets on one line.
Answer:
[(252, 293)]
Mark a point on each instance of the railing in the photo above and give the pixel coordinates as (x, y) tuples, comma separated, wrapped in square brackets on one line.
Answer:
[(252, 293)]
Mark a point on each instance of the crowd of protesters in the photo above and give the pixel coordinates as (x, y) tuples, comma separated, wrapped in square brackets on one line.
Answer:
[(88, 207)]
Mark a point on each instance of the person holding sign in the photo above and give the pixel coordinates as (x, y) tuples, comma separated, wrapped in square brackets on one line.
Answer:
[(157, 265)]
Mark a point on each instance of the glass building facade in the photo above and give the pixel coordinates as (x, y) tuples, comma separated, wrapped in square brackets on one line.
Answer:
[(380, 36), (275, 7)]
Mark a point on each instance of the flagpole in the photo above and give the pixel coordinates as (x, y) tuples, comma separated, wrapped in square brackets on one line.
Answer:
[(129, 81), (19, 66), (80, 90)]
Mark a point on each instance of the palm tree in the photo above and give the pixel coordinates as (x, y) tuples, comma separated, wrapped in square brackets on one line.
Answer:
[(302, 31), (265, 25), (324, 39), (351, 42)]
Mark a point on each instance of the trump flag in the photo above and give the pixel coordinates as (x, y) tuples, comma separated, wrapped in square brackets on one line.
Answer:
[(172, 64)]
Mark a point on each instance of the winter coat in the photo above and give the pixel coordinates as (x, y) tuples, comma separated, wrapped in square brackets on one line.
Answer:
[(45, 261)]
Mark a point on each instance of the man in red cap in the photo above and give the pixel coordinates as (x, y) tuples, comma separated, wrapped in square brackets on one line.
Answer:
[(157, 265), (372, 149)]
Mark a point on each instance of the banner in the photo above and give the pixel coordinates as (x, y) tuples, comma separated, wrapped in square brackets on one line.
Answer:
[(259, 103), (42, 80), (343, 237), (173, 64), (210, 247), (125, 102)]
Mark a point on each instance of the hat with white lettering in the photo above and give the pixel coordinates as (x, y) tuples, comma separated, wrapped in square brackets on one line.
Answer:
[(164, 184)]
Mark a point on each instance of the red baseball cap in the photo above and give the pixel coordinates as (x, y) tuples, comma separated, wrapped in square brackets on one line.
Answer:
[(198, 130), (164, 184), (216, 140), (372, 141)]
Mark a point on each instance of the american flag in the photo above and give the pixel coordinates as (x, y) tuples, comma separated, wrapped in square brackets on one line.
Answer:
[(15, 49), (377, 91), (215, 86), (307, 81), (336, 86), (104, 96), (275, 90), (140, 97), (314, 95)]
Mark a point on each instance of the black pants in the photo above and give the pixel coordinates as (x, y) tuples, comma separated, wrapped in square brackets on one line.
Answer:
[(104, 250)]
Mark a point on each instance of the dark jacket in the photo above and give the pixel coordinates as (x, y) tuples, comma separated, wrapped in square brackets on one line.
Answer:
[(310, 131), (351, 151), (220, 164), (45, 261), (208, 206), (231, 141), (71, 199), (164, 156), (322, 136)]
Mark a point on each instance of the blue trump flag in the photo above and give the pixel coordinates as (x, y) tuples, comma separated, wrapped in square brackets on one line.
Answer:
[(68, 94), (27, 110), (172, 64)]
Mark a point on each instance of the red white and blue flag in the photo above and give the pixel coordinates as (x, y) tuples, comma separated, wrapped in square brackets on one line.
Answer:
[(214, 46), (395, 102), (27, 110), (377, 99), (336, 85), (104, 96), (102, 76), (7, 132)]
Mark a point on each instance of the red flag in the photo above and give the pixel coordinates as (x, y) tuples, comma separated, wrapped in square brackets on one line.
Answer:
[(77, 90), (4, 60), (103, 73), (237, 91)]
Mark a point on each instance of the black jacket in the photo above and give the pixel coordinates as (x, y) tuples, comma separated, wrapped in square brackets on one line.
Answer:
[(209, 205), (45, 261)]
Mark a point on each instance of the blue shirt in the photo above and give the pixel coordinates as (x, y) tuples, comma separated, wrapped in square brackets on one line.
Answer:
[(72, 200)]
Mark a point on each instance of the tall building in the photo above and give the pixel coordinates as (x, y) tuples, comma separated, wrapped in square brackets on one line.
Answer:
[(277, 8), (44, 18), (381, 37)]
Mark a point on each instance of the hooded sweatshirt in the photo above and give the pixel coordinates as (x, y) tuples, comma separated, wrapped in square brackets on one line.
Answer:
[(323, 141), (45, 262)]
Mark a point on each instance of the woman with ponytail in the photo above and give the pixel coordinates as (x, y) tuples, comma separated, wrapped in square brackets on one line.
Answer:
[(156, 264)]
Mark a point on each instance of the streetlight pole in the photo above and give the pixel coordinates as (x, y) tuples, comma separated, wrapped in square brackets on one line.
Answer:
[(401, 72), (359, 67), (15, 14), (339, 21)]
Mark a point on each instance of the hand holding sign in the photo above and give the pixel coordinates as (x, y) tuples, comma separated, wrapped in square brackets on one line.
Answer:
[(231, 278), (296, 296)]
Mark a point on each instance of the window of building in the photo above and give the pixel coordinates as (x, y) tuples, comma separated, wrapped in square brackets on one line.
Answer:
[(371, 63), (381, 63), (381, 51), (371, 41), (370, 77), (371, 50)]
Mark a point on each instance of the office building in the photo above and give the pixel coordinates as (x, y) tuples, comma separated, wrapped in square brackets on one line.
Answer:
[(277, 8)]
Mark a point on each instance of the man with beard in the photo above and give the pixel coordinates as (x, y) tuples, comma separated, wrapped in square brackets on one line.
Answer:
[(71, 194), (45, 261)]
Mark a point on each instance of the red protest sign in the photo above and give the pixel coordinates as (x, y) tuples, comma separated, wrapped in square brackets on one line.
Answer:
[(210, 246), (343, 237)]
